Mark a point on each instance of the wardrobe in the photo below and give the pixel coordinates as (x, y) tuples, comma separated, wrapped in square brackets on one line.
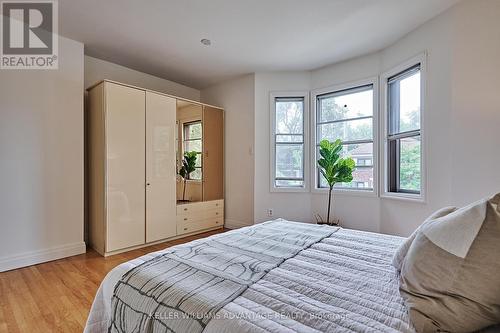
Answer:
[(137, 140)]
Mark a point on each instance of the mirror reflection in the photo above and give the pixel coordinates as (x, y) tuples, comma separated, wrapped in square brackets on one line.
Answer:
[(189, 152)]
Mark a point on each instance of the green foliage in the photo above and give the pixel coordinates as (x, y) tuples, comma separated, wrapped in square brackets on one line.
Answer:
[(409, 173), (188, 164), (332, 166)]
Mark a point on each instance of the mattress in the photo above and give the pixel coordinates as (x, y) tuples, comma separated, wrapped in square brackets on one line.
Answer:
[(343, 283)]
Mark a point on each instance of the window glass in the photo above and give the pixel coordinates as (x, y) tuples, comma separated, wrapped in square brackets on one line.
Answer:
[(289, 142), (409, 159), (403, 142), (193, 142), (348, 115)]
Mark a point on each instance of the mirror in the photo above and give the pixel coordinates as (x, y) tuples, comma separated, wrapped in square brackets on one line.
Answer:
[(189, 140), (200, 145)]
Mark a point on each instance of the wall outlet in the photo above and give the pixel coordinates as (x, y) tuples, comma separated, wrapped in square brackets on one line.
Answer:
[(270, 212)]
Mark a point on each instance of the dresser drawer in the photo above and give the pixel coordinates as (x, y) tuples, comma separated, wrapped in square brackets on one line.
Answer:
[(195, 216), (184, 228), (199, 206)]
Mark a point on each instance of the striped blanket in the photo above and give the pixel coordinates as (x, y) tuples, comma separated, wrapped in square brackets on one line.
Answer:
[(184, 288)]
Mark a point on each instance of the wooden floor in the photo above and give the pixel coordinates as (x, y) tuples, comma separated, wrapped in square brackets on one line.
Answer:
[(56, 296)]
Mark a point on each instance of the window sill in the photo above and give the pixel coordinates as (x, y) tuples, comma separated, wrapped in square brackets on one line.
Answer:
[(404, 197), (289, 190), (358, 193)]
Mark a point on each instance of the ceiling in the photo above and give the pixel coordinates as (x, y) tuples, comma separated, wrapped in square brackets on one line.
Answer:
[(162, 37)]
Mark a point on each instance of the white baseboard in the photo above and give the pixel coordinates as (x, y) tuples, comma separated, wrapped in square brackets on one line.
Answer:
[(235, 224), (37, 257)]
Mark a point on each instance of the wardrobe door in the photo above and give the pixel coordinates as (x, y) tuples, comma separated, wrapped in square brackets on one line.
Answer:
[(125, 151), (213, 153), (160, 167)]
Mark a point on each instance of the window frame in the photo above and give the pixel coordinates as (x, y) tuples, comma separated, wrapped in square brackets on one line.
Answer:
[(419, 60), (374, 82), (306, 143), (186, 124)]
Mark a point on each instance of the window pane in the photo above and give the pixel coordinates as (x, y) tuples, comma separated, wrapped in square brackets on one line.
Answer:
[(363, 174), (289, 116), (362, 153), (192, 146), (198, 161), (289, 138), (347, 130), (196, 174), (289, 161), (405, 104), (289, 183), (409, 170), (349, 105), (192, 131)]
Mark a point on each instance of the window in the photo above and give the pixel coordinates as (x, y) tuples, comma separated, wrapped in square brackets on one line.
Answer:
[(348, 115), (288, 141), (193, 142), (404, 151)]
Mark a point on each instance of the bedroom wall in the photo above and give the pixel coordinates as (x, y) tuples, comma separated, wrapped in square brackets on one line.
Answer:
[(97, 70), (475, 126), (395, 216), (461, 121), (41, 161), (237, 98), (292, 206)]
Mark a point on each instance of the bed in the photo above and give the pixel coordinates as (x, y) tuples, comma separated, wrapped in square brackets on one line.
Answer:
[(277, 276)]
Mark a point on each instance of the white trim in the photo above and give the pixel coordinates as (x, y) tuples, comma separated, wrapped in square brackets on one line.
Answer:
[(384, 193), (272, 157), (40, 256), (331, 89)]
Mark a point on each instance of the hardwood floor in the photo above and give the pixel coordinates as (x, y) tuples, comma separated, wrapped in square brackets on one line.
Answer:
[(57, 296)]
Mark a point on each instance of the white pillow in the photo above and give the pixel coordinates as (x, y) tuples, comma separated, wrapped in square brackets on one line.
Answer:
[(399, 256)]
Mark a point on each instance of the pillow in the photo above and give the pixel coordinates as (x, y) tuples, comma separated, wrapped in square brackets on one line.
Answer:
[(402, 250), (450, 278)]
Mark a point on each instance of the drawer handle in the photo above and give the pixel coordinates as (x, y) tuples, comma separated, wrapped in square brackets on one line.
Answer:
[(185, 229), (185, 219), (216, 213), (216, 222), (185, 209), (216, 205)]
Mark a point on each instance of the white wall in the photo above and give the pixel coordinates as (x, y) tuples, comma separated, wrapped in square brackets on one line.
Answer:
[(97, 70), (293, 206), (237, 98), (475, 125), (462, 120), (41, 161)]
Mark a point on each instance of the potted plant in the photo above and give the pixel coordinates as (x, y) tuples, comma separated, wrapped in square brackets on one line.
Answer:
[(334, 168), (188, 166)]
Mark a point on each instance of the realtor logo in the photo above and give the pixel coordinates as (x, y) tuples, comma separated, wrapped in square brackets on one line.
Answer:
[(29, 35)]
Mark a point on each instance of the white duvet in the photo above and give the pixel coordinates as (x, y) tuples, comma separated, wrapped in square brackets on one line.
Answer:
[(345, 281)]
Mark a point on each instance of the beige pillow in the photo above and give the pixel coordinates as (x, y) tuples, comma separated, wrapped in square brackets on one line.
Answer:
[(450, 278), (399, 256)]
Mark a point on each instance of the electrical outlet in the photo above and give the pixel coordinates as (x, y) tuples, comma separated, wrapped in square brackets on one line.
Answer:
[(270, 212)]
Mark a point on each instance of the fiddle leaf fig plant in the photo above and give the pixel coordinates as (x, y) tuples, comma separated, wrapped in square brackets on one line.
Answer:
[(188, 166), (333, 167)]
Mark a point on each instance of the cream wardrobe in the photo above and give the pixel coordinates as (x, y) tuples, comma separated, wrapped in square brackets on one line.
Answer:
[(134, 152)]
